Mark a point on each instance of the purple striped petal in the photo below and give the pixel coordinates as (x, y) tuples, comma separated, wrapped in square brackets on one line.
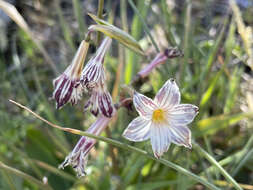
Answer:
[(180, 135), (182, 114), (160, 139), (66, 90), (168, 96), (79, 156), (144, 105), (138, 130)]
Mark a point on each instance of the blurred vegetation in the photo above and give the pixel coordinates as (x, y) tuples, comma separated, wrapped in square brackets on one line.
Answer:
[(215, 74)]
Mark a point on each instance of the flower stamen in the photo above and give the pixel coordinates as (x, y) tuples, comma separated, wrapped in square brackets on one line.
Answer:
[(158, 116)]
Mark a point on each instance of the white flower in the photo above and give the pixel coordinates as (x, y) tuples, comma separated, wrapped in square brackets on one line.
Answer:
[(79, 156), (94, 79), (162, 120), (67, 87)]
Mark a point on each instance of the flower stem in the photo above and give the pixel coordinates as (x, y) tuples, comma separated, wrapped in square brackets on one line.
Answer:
[(25, 176), (146, 29), (100, 14), (214, 162), (126, 147)]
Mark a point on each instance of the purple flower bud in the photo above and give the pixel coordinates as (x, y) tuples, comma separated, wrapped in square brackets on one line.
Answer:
[(79, 156), (94, 79), (67, 87)]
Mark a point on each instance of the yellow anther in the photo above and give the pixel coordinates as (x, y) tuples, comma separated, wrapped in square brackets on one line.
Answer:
[(158, 115)]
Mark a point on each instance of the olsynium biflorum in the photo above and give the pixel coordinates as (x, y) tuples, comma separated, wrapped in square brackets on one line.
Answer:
[(67, 87), (94, 79), (79, 156), (162, 120)]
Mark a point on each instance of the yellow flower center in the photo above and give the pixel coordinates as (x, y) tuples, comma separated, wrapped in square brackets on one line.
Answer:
[(158, 116)]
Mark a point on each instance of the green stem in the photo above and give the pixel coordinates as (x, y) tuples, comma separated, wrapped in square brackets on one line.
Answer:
[(100, 14), (124, 146), (242, 162), (214, 162), (25, 176), (79, 16), (146, 29)]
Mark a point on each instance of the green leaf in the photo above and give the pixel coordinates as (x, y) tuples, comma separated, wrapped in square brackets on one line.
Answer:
[(116, 33), (213, 124)]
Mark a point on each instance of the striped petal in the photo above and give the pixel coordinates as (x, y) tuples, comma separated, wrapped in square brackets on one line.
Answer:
[(160, 139), (138, 130), (168, 96), (182, 114), (144, 105), (180, 135)]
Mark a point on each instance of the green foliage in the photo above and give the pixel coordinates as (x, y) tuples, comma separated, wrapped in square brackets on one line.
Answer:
[(213, 75)]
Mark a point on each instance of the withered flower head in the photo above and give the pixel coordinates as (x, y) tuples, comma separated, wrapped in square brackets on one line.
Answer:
[(67, 87), (94, 79), (79, 156)]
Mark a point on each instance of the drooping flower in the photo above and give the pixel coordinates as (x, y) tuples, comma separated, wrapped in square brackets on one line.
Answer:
[(94, 79), (100, 102), (159, 59), (162, 120), (67, 87), (79, 156)]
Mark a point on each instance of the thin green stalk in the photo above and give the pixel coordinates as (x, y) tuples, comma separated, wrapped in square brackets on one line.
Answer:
[(214, 162), (242, 162), (167, 14), (123, 15), (124, 146), (100, 15), (8, 180), (237, 156), (54, 170), (25, 176), (146, 29), (79, 17), (64, 25), (187, 32)]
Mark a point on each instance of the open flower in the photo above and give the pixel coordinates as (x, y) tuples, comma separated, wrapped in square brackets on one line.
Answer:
[(162, 120), (79, 156), (94, 79), (67, 87)]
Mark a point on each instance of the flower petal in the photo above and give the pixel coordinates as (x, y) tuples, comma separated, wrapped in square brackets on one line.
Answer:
[(168, 96), (143, 105), (160, 139), (138, 130), (182, 114), (180, 135)]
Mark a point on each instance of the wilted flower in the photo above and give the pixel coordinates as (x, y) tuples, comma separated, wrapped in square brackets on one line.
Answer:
[(93, 72), (159, 59), (79, 156), (94, 79), (100, 102), (67, 87), (162, 120)]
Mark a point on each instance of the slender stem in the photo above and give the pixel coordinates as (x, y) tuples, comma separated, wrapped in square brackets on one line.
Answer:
[(79, 16), (242, 162), (146, 29), (126, 147), (100, 15), (214, 162), (25, 176)]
